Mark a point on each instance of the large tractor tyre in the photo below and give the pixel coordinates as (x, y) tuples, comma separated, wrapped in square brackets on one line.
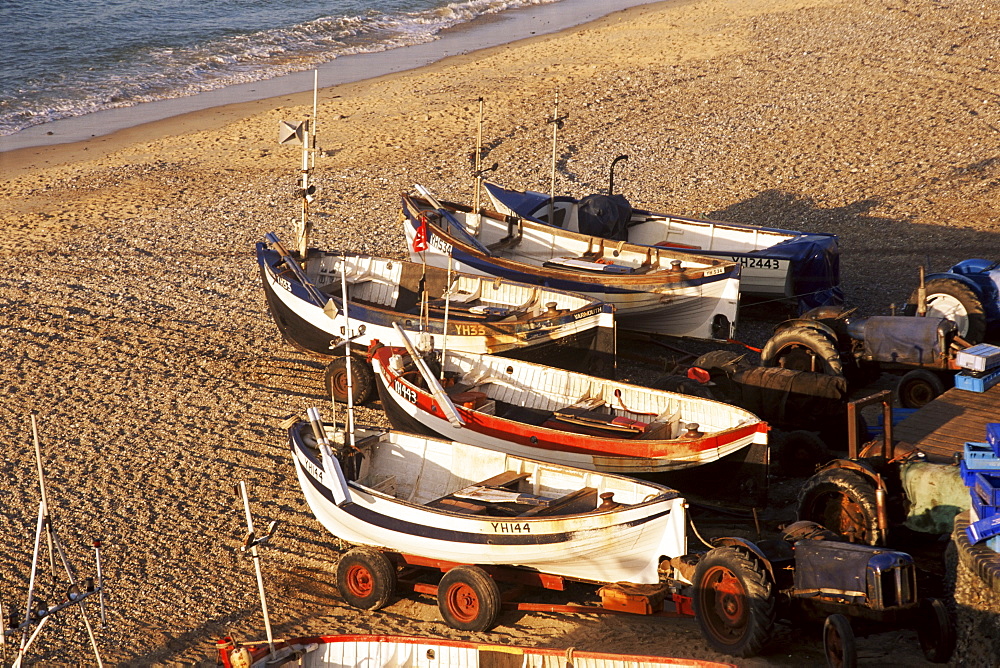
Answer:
[(366, 578), (935, 631), (951, 299), (469, 599), (734, 601), (800, 453), (919, 387), (803, 349), (842, 501), (838, 642), (362, 377)]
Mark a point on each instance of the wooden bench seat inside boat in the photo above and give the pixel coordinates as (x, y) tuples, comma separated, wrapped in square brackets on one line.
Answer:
[(507, 480), (578, 501), (526, 505)]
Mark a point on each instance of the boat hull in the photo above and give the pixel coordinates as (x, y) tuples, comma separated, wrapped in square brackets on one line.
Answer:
[(621, 545), (775, 263), (700, 302), (411, 408), (304, 323), (388, 651)]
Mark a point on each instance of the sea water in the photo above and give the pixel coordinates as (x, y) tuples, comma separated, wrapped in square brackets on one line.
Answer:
[(65, 58)]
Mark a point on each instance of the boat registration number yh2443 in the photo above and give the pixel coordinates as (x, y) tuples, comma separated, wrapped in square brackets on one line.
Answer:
[(758, 262)]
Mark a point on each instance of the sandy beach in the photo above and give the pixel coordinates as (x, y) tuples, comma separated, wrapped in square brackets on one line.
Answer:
[(136, 331)]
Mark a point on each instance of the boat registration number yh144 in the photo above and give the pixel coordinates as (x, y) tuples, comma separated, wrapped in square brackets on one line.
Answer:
[(511, 527)]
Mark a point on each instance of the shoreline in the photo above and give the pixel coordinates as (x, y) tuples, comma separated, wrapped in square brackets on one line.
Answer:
[(223, 105)]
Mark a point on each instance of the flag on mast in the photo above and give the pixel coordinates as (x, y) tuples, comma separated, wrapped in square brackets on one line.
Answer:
[(420, 238)]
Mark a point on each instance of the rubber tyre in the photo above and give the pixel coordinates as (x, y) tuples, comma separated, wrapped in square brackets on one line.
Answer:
[(935, 631), (801, 452), (952, 299), (469, 599), (366, 578), (838, 642), (335, 380), (734, 602), (842, 501), (803, 349), (919, 387)]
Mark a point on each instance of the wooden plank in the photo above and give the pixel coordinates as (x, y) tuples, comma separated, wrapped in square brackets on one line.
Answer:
[(942, 427), (581, 500)]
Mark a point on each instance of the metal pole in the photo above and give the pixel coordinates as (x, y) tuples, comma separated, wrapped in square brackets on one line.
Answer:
[(552, 182), (304, 229), (447, 302), (347, 334), (100, 583), (479, 157), (256, 563), (45, 500), (34, 566)]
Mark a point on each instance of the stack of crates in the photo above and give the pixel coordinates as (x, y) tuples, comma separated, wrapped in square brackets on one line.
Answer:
[(981, 473), (980, 367)]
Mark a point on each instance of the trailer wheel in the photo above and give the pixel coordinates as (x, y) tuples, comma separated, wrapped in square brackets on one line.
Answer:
[(366, 578), (919, 387), (952, 299), (935, 631), (803, 349), (362, 375), (469, 599), (842, 501), (838, 642), (733, 602)]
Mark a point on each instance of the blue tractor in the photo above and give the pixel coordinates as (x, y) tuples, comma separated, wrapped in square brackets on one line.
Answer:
[(968, 294)]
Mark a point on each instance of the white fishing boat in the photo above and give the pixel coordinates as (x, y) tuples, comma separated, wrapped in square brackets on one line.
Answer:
[(654, 289), (459, 503), (568, 418), (391, 651), (479, 314), (775, 263)]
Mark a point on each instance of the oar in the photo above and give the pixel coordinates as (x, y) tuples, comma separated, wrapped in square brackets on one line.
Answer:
[(432, 382)]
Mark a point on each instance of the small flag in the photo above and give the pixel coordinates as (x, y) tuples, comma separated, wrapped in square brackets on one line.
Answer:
[(420, 239)]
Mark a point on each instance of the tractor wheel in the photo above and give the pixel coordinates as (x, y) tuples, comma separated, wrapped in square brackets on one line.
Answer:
[(935, 631), (951, 299), (362, 376), (838, 642), (469, 599), (801, 452), (842, 501), (803, 349), (734, 601), (366, 578), (918, 388)]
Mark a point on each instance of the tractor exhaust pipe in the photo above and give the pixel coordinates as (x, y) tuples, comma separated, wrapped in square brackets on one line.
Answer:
[(922, 294)]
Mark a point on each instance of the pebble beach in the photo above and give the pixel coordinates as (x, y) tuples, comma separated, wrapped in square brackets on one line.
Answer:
[(135, 328)]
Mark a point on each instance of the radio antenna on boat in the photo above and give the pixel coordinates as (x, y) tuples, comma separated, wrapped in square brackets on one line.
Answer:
[(36, 610), (289, 133), (250, 544)]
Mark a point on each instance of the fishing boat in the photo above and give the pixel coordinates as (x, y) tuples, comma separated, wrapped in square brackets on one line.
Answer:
[(654, 289), (482, 315), (441, 500), (391, 651), (564, 417), (775, 263)]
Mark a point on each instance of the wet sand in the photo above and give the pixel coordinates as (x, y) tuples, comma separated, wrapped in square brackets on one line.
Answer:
[(135, 327)]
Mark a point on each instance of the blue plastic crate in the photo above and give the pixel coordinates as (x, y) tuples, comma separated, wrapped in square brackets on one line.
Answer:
[(980, 457), (977, 382), (988, 488), (968, 477), (983, 529), (993, 543), (993, 437), (983, 509)]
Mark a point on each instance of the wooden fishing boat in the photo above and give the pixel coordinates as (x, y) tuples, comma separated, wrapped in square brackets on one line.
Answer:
[(442, 500), (775, 263), (390, 651), (571, 419), (483, 315), (654, 290)]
